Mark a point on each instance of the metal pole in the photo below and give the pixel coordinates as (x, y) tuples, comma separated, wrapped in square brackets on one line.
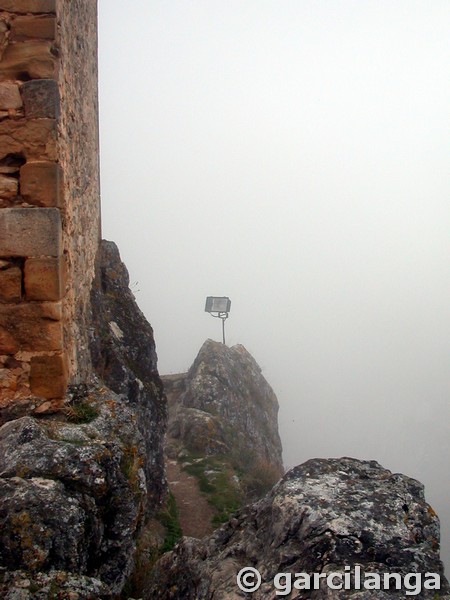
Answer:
[(223, 329)]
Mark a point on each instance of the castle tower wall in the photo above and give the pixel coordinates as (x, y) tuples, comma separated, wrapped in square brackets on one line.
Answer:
[(49, 196)]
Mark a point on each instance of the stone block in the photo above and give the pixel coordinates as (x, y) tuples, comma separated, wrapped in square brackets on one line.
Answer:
[(10, 284), (41, 183), (40, 98), (33, 26), (30, 232), (33, 138), (8, 187), (49, 375), (32, 59), (29, 6), (10, 165), (31, 326), (43, 279), (9, 96)]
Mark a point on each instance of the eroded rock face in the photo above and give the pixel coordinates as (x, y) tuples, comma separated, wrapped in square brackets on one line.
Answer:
[(72, 496), (224, 405), (322, 516), (124, 357)]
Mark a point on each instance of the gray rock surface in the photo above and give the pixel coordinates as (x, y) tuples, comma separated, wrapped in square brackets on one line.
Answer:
[(322, 516), (224, 405), (72, 496), (124, 357)]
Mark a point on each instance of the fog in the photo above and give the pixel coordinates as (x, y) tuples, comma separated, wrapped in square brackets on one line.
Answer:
[(293, 155)]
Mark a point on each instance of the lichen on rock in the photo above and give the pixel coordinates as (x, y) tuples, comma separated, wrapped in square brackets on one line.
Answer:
[(322, 516), (72, 496)]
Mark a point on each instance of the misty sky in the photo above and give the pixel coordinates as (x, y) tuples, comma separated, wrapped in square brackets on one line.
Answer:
[(294, 156)]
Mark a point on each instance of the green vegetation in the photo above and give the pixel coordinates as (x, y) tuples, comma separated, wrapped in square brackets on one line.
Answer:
[(218, 482), (82, 412), (169, 518)]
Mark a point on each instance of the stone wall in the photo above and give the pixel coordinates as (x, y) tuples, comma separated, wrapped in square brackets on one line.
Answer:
[(49, 196)]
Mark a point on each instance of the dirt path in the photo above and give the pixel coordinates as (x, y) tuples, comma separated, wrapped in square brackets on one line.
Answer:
[(193, 509)]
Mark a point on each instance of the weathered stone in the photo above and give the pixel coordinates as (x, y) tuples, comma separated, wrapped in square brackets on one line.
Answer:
[(49, 375), (78, 157), (32, 59), (9, 96), (11, 164), (34, 138), (39, 27), (85, 515), (30, 232), (128, 363), (322, 517), (8, 169), (43, 279), (40, 98), (28, 6), (8, 345), (10, 284), (41, 182), (69, 586), (8, 380), (8, 187), (34, 326), (63, 515)]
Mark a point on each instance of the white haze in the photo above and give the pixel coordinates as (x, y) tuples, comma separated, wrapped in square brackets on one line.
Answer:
[(294, 156)]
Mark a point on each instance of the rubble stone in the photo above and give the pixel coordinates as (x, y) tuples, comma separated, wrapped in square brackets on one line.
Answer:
[(10, 284), (39, 27), (33, 138), (9, 95), (28, 6), (8, 187), (32, 58)]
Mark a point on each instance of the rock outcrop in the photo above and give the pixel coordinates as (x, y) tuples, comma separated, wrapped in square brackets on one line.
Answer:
[(222, 442), (322, 517), (124, 357), (76, 486), (72, 496), (224, 405)]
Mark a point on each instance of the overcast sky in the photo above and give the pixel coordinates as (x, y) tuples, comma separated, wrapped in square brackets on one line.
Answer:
[(294, 156)]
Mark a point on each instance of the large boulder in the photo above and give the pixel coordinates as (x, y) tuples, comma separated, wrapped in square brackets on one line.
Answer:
[(323, 517)]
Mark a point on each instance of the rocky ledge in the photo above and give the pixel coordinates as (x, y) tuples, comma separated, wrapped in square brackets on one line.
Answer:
[(324, 516)]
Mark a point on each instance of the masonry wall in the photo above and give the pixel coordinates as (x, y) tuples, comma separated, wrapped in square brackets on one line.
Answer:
[(49, 196)]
